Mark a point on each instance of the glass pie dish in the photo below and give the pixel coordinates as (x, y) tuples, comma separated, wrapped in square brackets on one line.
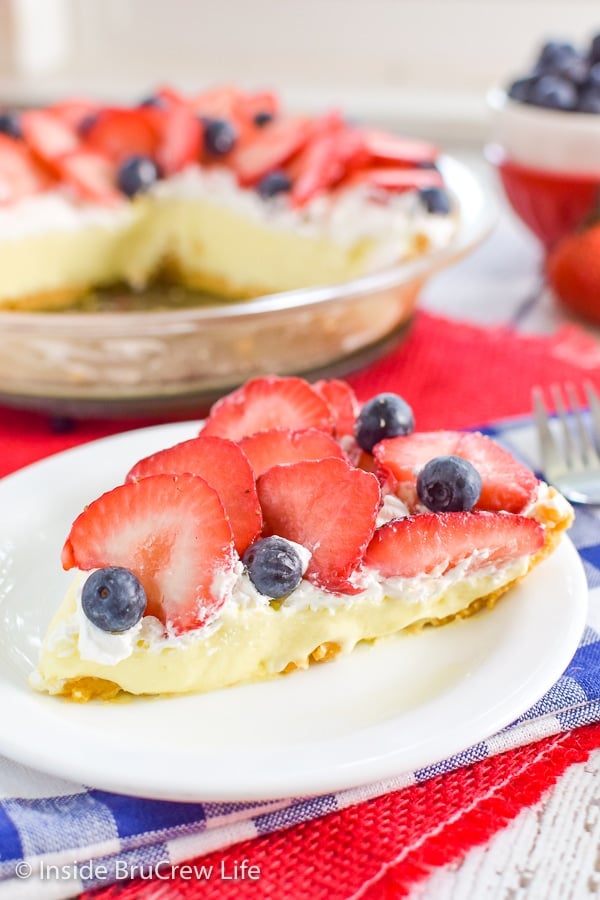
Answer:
[(129, 361)]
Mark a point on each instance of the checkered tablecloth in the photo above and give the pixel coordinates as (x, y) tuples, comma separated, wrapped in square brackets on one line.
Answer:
[(58, 838)]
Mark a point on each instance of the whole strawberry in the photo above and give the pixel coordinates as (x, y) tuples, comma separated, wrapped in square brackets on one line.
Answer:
[(573, 270)]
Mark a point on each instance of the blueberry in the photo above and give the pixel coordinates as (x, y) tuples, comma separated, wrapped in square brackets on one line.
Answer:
[(553, 92), (276, 182), (10, 125), (594, 54), (555, 54), (220, 136), (520, 90), (448, 484), (86, 124), (262, 118), (435, 200), (385, 416), (273, 566), (593, 77), (589, 101), (113, 599), (136, 174)]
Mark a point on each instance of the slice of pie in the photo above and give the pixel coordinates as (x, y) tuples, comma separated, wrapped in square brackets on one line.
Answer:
[(220, 191), (295, 526)]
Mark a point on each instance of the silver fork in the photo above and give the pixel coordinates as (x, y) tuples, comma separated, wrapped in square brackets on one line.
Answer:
[(569, 446)]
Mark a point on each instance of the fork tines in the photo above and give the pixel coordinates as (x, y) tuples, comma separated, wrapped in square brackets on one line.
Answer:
[(576, 448)]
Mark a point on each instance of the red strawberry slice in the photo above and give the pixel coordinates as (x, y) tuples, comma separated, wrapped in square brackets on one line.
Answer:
[(119, 133), (217, 103), (269, 402), (172, 532), (325, 161), (225, 467), (507, 484), (248, 105), (269, 149), (384, 147), (286, 445), (92, 175), (392, 179), (74, 112), (436, 542), (180, 139), (328, 507), (342, 402), (20, 173), (47, 134)]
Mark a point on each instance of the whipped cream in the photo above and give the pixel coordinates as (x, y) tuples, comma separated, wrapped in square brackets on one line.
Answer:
[(58, 211), (109, 649)]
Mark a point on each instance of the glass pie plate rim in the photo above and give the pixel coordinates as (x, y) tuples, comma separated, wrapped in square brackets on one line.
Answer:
[(82, 395)]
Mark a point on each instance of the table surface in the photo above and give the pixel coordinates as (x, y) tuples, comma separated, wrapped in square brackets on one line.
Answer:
[(551, 850)]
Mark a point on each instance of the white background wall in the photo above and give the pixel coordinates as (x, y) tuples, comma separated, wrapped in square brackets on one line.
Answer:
[(426, 63)]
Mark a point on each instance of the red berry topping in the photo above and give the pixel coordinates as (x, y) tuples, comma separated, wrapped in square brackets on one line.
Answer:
[(342, 402), (47, 134), (172, 533), (92, 175), (272, 146), (388, 178), (225, 467), (334, 150), (180, 139), (393, 148), (269, 402), (20, 174), (507, 484), (285, 445), (436, 542), (328, 507), (120, 133)]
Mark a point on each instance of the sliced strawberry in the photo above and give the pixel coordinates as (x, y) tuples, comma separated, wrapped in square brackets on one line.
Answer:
[(507, 484), (436, 542), (248, 105), (171, 96), (342, 402), (119, 133), (286, 445), (328, 507), (385, 147), (172, 532), (269, 149), (392, 179), (217, 103), (74, 112), (47, 134), (331, 153), (92, 175), (20, 173), (180, 139), (225, 467), (269, 402)]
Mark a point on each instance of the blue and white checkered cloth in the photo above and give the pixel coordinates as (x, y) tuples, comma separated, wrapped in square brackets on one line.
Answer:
[(59, 838)]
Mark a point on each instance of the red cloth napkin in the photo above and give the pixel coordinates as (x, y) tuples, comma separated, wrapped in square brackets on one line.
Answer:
[(454, 375)]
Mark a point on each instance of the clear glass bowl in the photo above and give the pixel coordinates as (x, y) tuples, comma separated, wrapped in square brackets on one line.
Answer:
[(156, 362)]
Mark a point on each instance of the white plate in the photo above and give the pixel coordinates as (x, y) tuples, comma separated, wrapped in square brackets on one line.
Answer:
[(384, 710)]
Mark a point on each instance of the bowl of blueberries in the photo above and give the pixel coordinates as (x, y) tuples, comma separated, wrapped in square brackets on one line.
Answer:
[(546, 139)]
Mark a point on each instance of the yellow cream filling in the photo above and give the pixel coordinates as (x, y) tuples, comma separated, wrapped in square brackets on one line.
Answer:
[(251, 644)]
